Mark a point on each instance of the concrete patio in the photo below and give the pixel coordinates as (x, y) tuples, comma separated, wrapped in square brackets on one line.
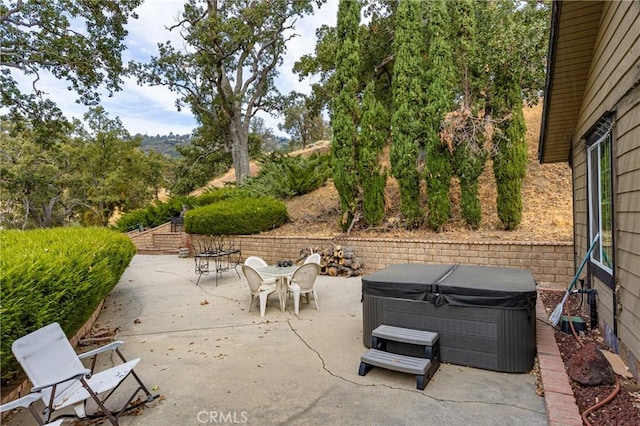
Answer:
[(214, 362)]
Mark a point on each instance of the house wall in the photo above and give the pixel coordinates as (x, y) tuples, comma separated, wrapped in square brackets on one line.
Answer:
[(614, 85)]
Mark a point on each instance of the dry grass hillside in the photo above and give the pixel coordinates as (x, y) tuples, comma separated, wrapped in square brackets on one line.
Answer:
[(546, 194)]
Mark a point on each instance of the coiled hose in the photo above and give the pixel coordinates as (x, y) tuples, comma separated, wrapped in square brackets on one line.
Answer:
[(616, 390)]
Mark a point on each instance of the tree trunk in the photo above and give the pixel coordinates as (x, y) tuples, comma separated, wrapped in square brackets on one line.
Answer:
[(239, 148)]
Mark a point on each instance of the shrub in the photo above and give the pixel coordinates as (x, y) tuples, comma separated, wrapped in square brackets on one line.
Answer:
[(282, 176), (237, 216), (59, 274), (213, 195), (155, 214), (510, 168)]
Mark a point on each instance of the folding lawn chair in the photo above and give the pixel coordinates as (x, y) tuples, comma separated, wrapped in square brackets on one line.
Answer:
[(58, 375), (27, 402)]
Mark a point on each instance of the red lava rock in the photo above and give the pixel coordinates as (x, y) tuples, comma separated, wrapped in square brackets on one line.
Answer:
[(589, 366)]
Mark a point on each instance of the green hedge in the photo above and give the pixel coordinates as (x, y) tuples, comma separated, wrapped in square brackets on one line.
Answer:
[(237, 216), (59, 274), (155, 214)]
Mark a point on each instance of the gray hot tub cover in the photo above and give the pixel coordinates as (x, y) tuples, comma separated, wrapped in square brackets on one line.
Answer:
[(457, 285)]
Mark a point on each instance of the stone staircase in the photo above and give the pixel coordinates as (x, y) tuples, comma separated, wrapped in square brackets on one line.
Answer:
[(159, 240)]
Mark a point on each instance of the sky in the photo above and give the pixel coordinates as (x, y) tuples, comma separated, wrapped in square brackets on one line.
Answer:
[(151, 110)]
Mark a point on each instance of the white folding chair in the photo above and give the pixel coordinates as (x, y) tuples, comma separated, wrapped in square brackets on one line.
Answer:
[(60, 378)]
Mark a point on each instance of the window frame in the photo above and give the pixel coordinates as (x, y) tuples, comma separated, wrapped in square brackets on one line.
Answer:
[(601, 137)]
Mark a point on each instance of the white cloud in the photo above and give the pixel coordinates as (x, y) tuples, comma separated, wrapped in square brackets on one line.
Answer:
[(151, 110)]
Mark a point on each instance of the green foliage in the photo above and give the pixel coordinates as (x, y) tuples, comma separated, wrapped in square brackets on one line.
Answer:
[(155, 214), (77, 41), (214, 195), (84, 176), (440, 77), (282, 176), (237, 216), (438, 172), (203, 157), (226, 73), (32, 178), (303, 124), (164, 144), (408, 92), (111, 172), (510, 167), (468, 165), (374, 130), (485, 40), (346, 111), (59, 274)]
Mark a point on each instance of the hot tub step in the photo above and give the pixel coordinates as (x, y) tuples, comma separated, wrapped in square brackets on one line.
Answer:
[(428, 339), (421, 367)]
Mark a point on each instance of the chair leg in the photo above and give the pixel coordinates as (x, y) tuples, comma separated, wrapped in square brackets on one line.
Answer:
[(251, 303), (263, 303), (315, 299), (296, 300)]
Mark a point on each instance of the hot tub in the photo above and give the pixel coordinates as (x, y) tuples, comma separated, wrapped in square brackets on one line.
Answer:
[(485, 316)]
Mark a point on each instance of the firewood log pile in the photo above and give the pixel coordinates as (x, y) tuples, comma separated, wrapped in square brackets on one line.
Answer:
[(335, 261)]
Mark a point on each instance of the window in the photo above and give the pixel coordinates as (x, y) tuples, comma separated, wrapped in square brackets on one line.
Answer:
[(600, 195)]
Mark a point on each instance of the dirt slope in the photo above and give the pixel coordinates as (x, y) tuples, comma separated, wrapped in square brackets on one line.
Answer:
[(546, 194)]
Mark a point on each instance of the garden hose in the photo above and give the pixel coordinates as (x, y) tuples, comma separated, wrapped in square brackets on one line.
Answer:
[(613, 394)]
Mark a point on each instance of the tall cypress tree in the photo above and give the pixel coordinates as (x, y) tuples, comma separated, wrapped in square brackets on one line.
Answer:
[(407, 90), (510, 159), (440, 77), (468, 135), (345, 111), (506, 103), (374, 130)]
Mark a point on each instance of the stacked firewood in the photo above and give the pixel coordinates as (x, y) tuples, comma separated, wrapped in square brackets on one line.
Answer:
[(336, 260)]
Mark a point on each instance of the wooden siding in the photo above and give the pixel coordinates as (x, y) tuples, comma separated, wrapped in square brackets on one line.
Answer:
[(568, 72), (615, 66), (613, 86), (627, 155)]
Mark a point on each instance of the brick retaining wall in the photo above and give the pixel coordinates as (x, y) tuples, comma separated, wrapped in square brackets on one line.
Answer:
[(551, 263)]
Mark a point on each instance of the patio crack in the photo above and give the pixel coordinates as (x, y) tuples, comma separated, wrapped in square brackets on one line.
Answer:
[(414, 391)]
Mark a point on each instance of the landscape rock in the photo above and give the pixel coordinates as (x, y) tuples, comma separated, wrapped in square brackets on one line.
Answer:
[(590, 367)]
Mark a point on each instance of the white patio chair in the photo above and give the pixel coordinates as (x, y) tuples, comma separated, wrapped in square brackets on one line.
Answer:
[(303, 282), (60, 378), (256, 263), (259, 289), (27, 402), (313, 258)]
